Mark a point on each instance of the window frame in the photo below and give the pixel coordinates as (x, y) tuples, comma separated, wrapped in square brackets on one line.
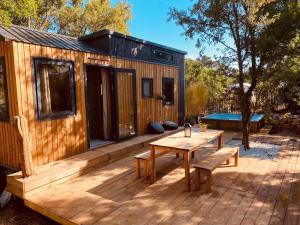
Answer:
[(7, 118), (62, 114), (162, 60), (144, 79), (168, 79)]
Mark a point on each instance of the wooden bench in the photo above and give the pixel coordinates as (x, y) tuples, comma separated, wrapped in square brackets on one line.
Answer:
[(144, 158), (210, 163)]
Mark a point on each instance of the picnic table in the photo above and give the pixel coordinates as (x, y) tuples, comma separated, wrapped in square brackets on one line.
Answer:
[(179, 144)]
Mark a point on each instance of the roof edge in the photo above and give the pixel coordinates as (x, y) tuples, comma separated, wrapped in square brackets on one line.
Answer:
[(114, 33)]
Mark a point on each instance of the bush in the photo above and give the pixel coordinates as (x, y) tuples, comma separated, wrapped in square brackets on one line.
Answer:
[(196, 97)]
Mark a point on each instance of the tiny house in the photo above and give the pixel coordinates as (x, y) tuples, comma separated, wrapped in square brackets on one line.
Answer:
[(81, 93)]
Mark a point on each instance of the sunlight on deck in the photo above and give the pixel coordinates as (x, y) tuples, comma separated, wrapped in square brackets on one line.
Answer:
[(259, 191)]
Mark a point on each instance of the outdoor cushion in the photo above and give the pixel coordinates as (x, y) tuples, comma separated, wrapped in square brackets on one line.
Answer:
[(169, 125), (156, 128)]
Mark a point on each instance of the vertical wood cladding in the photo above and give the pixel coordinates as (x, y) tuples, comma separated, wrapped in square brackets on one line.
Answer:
[(8, 133), (55, 139)]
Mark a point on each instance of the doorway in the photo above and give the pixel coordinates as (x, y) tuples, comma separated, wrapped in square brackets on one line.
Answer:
[(99, 105)]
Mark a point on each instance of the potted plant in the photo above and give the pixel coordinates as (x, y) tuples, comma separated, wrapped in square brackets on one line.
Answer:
[(203, 127)]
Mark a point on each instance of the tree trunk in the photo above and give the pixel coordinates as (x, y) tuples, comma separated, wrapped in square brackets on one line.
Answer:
[(246, 116)]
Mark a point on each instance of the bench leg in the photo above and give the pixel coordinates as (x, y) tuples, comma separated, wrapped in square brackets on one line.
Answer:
[(208, 182), (197, 179), (228, 161), (193, 154), (177, 155), (145, 169), (236, 159), (138, 168)]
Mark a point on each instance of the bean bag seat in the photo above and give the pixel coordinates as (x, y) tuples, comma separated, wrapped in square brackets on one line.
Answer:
[(169, 125), (156, 128)]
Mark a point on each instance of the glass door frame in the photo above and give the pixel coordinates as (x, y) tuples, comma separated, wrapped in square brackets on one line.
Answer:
[(116, 102)]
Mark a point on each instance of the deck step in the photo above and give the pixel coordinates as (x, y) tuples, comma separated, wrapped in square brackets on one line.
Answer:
[(265, 129), (63, 170)]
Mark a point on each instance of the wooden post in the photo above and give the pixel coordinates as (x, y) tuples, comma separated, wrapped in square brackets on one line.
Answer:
[(153, 174), (145, 169), (228, 161), (26, 146), (236, 158), (220, 141), (197, 179), (208, 182), (187, 171), (138, 168)]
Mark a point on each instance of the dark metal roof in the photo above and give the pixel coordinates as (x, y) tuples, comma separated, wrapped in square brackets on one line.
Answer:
[(114, 33), (31, 36)]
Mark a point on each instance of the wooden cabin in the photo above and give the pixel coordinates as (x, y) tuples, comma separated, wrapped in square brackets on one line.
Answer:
[(81, 93)]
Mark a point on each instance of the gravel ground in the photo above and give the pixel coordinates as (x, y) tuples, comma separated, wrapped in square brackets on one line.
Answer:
[(15, 213)]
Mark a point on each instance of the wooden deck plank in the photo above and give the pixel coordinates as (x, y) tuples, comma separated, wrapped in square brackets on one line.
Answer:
[(63, 170), (259, 191)]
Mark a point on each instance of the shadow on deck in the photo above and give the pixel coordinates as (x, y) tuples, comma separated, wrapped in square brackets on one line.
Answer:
[(259, 191), (63, 170)]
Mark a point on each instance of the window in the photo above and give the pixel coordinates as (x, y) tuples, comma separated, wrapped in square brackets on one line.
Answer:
[(162, 56), (4, 116), (55, 88), (168, 91), (147, 88)]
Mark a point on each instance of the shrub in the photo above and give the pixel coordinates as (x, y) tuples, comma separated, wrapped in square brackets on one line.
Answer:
[(196, 97)]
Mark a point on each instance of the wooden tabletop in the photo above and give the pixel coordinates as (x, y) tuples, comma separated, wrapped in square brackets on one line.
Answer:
[(178, 140)]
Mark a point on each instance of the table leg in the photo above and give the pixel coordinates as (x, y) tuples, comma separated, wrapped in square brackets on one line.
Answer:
[(220, 141), (153, 175), (186, 160)]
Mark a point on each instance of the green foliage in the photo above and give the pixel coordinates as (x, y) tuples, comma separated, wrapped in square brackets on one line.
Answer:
[(203, 126), (282, 90), (196, 97), (30, 13), (77, 20), (213, 75), (69, 17), (255, 34)]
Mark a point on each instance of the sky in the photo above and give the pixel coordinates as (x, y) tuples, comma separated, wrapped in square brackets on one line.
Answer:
[(150, 22)]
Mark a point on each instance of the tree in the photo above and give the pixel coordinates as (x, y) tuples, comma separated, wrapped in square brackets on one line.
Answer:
[(77, 20), (30, 13), (212, 74), (251, 34), (70, 17), (281, 92)]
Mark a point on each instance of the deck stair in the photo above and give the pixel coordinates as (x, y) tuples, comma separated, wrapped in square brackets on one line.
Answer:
[(61, 171), (265, 129)]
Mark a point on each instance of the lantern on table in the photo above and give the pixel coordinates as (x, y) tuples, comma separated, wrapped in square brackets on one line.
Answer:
[(187, 130)]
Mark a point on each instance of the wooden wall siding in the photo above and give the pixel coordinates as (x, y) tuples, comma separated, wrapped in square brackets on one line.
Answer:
[(60, 138), (52, 139), (151, 109), (9, 146)]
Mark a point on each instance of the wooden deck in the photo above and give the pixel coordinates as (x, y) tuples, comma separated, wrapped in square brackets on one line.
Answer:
[(63, 170), (257, 192)]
